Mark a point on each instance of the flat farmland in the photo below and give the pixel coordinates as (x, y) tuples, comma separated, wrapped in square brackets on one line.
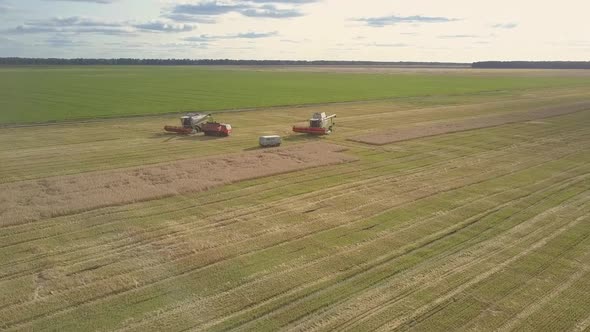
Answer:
[(433, 208), (69, 93)]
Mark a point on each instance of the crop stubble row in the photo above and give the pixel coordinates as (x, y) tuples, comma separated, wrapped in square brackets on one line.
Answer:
[(365, 192)]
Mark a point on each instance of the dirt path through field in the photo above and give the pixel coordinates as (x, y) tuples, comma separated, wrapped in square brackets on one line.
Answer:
[(469, 124), (31, 200)]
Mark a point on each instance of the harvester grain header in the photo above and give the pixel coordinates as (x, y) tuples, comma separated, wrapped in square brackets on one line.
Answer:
[(319, 124), (194, 123)]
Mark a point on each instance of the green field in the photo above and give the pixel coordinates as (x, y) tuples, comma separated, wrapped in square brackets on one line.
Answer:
[(480, 230), (66, 93)]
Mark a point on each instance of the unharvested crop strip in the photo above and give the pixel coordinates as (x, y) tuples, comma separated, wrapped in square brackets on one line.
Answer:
[(469, 124)]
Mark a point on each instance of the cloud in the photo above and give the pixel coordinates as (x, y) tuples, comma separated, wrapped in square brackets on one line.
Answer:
[(393, 20), (294, 2), (78, 24), (210, 8), (388, 45), (457, 36), (159, 26), (271, 11), (7, 41), (204, 12), (63, 41), (72, 21), (74, 24), (245, 35), (4, 7), (90, 1), (189, 18), (505, 25), (24, 29), (256, 35)]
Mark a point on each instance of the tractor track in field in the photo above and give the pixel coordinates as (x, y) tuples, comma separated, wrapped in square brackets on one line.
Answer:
[(258, 209), (168, 244), (487, 252), (379, 180), (50, 163), (582, 325), (101, 252), (99, 158), (246, 285), (43, 163), (345, 186), (349, 172), (475, 218), (312, 283), (249, 213), (542, 268), (60, 195), (427, 310), (536, 306), (316, 262), (190, 271), (471, 252)]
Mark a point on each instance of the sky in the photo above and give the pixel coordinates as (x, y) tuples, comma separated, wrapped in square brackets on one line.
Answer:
[(372, 30)]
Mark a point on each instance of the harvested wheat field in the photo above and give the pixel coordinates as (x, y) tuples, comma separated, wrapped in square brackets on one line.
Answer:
[(452, 211), (62, 195)]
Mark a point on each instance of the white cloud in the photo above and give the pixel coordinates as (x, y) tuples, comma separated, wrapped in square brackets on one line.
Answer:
[(382, 30)]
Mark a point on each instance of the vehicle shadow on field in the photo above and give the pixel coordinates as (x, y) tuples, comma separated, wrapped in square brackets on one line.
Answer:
[(178, 137), (289, 139), (302, 138)]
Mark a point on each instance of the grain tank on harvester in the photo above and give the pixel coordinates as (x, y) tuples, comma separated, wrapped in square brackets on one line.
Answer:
[(319, 124), (194, 123)]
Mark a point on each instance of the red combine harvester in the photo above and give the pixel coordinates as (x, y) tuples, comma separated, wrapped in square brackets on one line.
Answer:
[(194, 123), (319, 124)]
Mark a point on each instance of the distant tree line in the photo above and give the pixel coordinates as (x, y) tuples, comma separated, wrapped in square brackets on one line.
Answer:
[(211, 62), (15, 61), (533, 64)]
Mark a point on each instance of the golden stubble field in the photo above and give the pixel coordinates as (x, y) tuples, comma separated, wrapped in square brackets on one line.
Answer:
[(483, 226)]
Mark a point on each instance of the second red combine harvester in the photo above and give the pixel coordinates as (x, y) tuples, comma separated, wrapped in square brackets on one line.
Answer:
[(319, 124), (194, 123)]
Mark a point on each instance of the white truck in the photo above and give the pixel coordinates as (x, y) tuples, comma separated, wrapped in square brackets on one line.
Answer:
[(269, 141)]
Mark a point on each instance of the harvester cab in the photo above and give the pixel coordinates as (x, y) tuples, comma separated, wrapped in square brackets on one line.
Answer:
[(193, 123), (319, 124)]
